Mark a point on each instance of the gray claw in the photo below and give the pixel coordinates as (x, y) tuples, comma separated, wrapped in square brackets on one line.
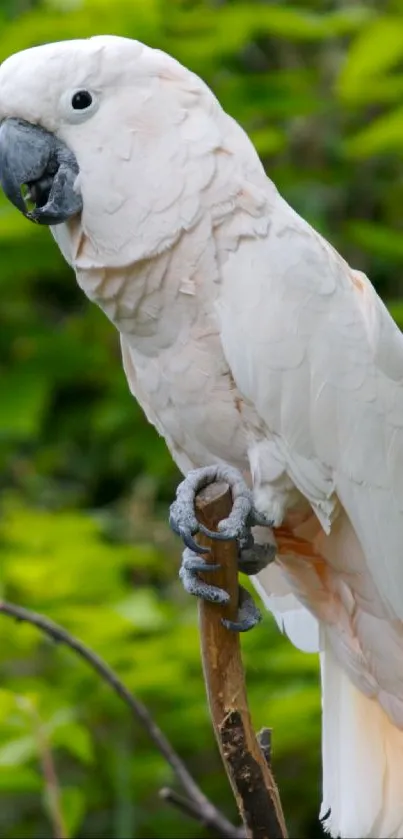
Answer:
[(182, 514), (253, 557), (193, 562), (190, 543), (248, 614), (186, 530), (192, 583)]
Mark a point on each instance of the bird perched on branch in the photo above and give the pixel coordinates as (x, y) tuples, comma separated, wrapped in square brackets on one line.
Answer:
[(258, 354)]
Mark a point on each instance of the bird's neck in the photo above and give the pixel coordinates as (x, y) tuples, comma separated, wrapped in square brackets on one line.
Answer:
[(153, 302)]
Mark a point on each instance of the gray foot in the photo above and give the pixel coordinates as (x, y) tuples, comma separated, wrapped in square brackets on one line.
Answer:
[(191, 564), (243, 515), (248, 614), (252, 557)]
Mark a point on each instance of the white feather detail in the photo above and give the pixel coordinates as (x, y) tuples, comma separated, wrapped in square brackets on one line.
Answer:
[(291, 617), (362, 755)]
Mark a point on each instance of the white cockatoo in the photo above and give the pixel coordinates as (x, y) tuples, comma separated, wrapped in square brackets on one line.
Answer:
[(251, 346)]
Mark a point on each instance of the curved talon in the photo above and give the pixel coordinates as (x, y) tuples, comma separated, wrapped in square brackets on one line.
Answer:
[(192, 562), (217, 535), (194, 585), (237, 526), (192, 544), (248, 614), (186, 531), (182, 514)]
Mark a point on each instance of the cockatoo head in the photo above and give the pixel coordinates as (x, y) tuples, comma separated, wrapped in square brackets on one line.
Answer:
[(117, 146), (89, 129), (61, 105)]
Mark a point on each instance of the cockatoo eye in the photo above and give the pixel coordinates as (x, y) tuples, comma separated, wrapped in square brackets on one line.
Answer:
[(78, 105), (81, 100)]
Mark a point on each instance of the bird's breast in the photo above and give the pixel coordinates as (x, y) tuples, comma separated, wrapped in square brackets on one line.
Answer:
[(190, 391)]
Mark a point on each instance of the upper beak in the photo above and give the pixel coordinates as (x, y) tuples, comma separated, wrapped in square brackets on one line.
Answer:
[(34, 158)]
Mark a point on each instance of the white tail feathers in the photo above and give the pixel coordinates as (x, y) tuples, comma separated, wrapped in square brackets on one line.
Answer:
[(362, 750), (362, 761)]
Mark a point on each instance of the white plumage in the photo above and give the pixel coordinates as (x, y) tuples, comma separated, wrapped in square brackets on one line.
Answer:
[(249, 341)]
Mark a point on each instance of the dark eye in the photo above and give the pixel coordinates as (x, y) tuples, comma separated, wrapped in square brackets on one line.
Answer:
[(81, 100)]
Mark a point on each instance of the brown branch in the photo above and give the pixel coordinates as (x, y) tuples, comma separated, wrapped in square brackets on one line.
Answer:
[(250, 775), (202, 809), (189, 808)]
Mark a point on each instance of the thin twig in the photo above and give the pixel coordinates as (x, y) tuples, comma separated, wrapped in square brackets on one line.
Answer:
[(248, 771), (211, 815), (52, 788), (190, 808)]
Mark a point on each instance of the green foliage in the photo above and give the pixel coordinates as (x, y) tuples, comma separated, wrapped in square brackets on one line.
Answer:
[(86, 482), (68, 565), (377, 50)]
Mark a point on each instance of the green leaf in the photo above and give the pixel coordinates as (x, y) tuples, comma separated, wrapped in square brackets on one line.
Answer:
[(76, 739), (73, 807), (143, 610), (376, 238), (23, 399), (383, 135), (378, 48), (20, 779), (18, 751), (267, 141), (382, 90)]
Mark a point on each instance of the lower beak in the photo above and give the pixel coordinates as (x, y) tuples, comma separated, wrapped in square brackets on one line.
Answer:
[(38, 173)]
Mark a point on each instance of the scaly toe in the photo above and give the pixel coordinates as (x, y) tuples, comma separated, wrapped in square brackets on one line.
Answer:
[(186, 535), (193, 562), (182, 516), (192, 583), (237, 522), (248, 614), (183, 519)]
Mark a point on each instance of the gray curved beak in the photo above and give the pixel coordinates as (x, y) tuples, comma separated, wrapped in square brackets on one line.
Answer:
[(37, 173)]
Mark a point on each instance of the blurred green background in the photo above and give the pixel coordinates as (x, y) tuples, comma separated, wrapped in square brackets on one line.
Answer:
[(86, 484)]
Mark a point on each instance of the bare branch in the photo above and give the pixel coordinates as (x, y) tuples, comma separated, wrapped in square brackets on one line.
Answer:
[(248, 770), (190, 808), (207, 812)]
